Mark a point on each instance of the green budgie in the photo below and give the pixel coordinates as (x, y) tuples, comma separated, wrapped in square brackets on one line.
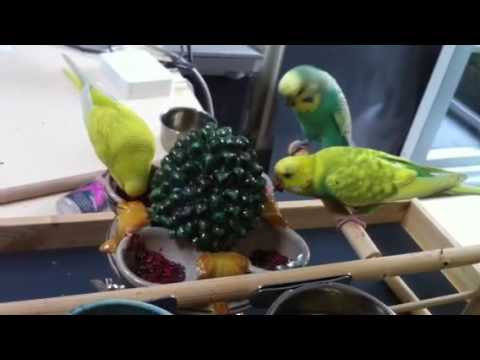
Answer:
[(320, 106), (121, 139), (361, 179)]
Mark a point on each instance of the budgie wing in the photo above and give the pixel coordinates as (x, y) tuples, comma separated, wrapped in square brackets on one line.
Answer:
[(429, 180), (114, 127), (366, 180), (100, 125), (420, 169), (343, 119)]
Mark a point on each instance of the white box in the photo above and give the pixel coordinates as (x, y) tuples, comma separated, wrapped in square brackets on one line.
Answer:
[(136, 74)]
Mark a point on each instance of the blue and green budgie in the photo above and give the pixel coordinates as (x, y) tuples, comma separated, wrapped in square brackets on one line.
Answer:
[(121, 139), (361, 179), (320, 106)]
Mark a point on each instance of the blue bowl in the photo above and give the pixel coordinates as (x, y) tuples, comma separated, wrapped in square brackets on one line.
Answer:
[(119, 307)]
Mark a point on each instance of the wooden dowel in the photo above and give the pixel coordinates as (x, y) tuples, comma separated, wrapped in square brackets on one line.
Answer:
[(473, 307), (438, 301), (405, 294), (198, 293), (30, 191), (366, 249), (360, 241)]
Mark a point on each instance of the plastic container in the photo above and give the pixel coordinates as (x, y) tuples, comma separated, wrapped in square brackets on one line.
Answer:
[(91, 198), (119, 307)]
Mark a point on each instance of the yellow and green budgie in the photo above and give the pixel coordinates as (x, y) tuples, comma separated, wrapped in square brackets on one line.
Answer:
[(121, 139), (361, 179), (320, 106)]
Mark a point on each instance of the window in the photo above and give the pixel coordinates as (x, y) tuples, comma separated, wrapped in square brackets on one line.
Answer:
[(446, 130)]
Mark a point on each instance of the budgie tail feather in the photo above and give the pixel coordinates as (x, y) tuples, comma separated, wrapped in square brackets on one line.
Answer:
[(77, 76), (81, 82), (74, 78), (464, 190)]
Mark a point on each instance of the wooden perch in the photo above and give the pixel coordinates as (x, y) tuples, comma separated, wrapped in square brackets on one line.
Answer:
[(438, 301), (366, 249), (198, 293)]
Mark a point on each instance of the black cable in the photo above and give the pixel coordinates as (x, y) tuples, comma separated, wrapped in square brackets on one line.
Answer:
[(181, 63), (190, 54), (86, 48), (178, 61)]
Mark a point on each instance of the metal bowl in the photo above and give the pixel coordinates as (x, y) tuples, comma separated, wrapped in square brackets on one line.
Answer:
[(179, 121), (328, 299)]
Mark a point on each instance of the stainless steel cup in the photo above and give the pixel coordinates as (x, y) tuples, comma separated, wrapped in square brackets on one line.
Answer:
[(328, 299), (178, 122)]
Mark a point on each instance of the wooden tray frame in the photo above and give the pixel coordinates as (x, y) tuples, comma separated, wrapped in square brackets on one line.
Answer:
[(57, 232)]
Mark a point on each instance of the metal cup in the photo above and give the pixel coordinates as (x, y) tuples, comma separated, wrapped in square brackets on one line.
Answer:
[(178, 122), (328, 299)]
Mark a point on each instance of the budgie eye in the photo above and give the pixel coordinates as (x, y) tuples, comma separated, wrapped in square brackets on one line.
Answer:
[(308, 99), (288, 176)]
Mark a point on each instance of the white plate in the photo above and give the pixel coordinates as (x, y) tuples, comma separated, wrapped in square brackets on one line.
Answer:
[(285, 241)]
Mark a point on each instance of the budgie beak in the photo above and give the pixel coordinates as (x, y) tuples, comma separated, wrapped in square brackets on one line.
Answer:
[(290, 102), (278, 184)]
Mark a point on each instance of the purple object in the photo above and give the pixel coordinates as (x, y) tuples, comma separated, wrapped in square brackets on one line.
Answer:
[(91, 198)]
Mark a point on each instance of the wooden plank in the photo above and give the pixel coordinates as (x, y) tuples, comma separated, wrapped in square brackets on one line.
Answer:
[(429, 234), (42, 233), (199, 293), (51, 232), (458, 215), (312, 214), (40, 206)]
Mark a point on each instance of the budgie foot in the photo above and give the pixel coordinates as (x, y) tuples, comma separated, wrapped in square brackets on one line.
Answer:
[(298, 147), (350, 219)]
